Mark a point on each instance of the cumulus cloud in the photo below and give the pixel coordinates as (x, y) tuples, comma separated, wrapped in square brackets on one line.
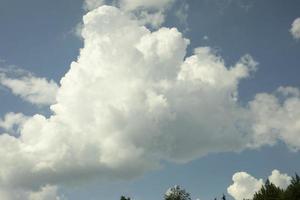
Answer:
[(280, 180), (117, 115), (277, 117), (133, 99), (245, 186), (295, 29)]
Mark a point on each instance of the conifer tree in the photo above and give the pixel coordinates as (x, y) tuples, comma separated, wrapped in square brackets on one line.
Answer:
[(268, 192), (176, 193), (223, 197), (124, 198), (293, 190)]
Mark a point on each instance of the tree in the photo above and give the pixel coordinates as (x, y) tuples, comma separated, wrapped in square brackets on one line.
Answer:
[(269, 192), (223, 197), (292, 192), (124, 198), (176, 193)]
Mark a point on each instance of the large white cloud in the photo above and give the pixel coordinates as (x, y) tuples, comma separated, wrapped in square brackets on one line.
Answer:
[(295, 29), (128, 102), (36, 90), (131, 100), (245, 186)]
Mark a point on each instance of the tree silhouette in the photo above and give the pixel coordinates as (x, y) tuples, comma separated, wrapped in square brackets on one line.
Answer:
[(292, 192), (124, 198), (176, 193), (269, 192), (223, 197)]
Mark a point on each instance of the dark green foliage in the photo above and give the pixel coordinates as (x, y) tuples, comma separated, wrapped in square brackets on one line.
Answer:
[(293, 190), (124, 198), (176, 193), (223, 197), (269, 192)]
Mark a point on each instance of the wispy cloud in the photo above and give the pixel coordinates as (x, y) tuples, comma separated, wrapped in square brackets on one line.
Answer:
[(36, 90), (151, 13), (12, 122)]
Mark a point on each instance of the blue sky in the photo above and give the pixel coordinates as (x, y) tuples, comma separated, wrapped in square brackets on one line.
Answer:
[(39, 37)]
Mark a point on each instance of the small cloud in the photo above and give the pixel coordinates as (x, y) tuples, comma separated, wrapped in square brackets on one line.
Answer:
[(244, 186), (92, 4), (155, 20), (246, 4), (182, 15), (295, 29), (280, 180), (36, 90), (12, 122)]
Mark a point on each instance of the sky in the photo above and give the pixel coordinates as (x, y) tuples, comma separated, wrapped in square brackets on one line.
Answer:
[(130, 97)]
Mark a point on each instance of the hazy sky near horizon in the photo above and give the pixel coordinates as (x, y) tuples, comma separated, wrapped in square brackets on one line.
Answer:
[(127, 110)]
